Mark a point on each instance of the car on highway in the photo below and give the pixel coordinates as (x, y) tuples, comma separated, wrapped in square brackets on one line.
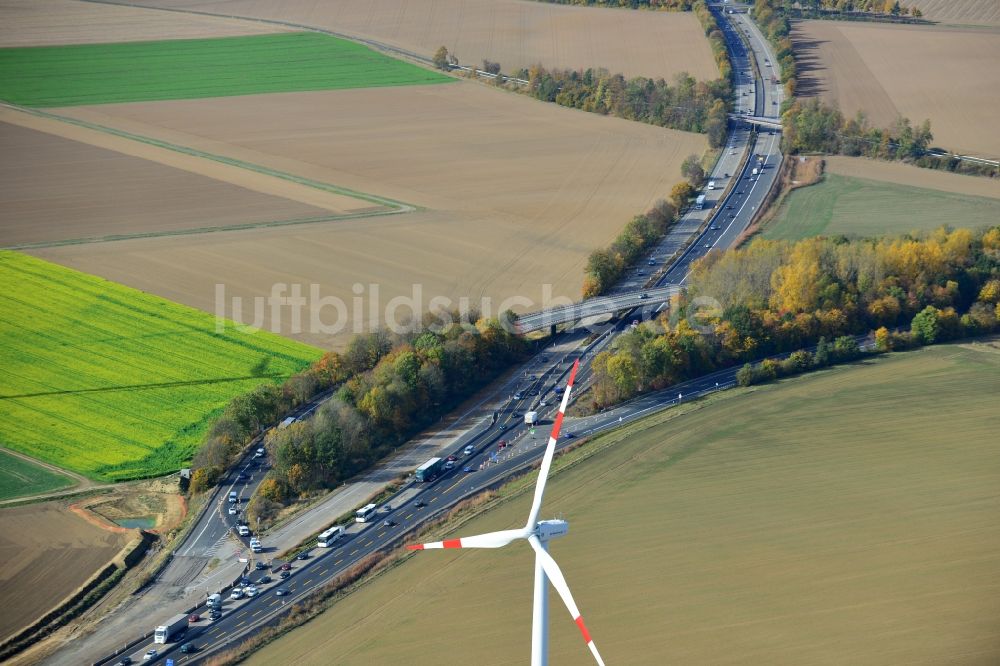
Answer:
[(517, 396), (194, 617), (469, 450), (281, 592), (467, 469), (452, 458), (449, 464), (250, 591), (714, 227), (420, 504), (284, 574), (501, 445), (150, 655), (543, 404), (264, 580), (188, 648), (233, 510), (237, 593), (643, 296), (214, 614), (285, 566), (570, 435), (651, 262), (259, 566), (124, 661), (708, 246), (302, 556), (388, 522)]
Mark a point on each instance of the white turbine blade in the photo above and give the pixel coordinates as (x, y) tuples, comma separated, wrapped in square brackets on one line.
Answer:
[(543, 473), (555, 576), (489, 540)]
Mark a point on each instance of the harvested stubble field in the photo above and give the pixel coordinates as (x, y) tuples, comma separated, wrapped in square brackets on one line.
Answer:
[(512, 32), (945, 74), (843, 517), (56, 190), (49, 22), (114, 383), (517, 194), (194, 68), (842, 204), (47, 552)]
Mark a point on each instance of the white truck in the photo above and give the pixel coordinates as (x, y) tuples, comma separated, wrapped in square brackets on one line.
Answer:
[(530, 418), (699, 203), (172, 629), (755, 171)]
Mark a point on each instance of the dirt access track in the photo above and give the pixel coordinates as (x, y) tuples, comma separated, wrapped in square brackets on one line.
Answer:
[(515, 33), (49, 22), (946, 74), (516, 194)]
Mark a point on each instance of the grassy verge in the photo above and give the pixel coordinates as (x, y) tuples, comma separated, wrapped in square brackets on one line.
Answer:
[(194, 68)]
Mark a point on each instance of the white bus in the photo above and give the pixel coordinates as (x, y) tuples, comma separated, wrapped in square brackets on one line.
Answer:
[(364, 513), (328, 538)]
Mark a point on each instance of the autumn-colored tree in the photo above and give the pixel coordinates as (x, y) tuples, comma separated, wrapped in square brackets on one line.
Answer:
[(441, 58), (883, 340), (990, 293), (272, 489), (681, 193), (796, 283)]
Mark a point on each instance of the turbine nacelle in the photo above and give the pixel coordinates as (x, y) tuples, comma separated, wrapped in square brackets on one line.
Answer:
[(551, 529)]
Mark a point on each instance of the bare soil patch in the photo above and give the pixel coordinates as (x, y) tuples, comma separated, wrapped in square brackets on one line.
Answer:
[(512, 32), (964, 12), (906, 174), (46, 22), (55, 189), (945, 74), (518, 194), (48, 551)]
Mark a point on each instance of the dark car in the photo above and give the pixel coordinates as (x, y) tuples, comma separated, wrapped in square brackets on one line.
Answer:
[(302, 556), (125, 661), (259, 565), (188, 648), (286, 566), (281, 592), (420, 504), (570, 435), (264, 580), (388, 522), (245, 580), (284, 574), (214, 614), (643, 296)]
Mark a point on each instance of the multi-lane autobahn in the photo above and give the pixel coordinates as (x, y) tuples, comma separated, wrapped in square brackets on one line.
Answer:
[(731, 206)]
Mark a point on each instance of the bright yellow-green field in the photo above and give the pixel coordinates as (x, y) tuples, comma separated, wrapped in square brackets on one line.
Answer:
[(115, 383), (844, 517)]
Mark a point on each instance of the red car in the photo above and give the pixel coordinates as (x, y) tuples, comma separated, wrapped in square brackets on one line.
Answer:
[(286, 566), (452, 458), (194, 617), (502, 445)]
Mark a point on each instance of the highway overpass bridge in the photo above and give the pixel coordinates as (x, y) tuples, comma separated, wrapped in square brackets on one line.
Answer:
[(592, 307), (759, 121)]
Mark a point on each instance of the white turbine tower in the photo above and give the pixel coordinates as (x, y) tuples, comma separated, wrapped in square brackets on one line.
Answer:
[(537, 533)]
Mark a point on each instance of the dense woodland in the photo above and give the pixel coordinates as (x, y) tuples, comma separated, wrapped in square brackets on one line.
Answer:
[(388, 387), (777, 296), (674, 5)]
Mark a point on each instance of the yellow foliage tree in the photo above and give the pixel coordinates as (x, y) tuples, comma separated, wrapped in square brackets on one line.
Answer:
[(795, 284)]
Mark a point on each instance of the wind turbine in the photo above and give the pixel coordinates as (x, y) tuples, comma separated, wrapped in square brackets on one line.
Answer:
[(537, 534)]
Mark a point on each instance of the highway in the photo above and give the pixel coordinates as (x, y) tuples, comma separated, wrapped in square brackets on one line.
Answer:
[(667, 267)]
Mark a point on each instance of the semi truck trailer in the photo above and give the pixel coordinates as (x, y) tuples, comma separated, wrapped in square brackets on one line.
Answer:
[(171, 630)]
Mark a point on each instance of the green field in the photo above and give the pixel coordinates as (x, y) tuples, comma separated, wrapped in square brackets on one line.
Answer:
[(859, 207), (18, 477), (843, 517), (112, 382), (193, 68)]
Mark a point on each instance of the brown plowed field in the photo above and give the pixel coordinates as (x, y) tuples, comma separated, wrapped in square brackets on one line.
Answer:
[(47, 553), (970, 12), (914, 176), (56, 189), (946, 74), (47, 22), (514, 33), (518, 192)]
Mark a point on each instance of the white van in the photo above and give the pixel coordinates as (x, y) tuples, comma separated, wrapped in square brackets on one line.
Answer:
[(711, 184), (233, 496), (243, 530)]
